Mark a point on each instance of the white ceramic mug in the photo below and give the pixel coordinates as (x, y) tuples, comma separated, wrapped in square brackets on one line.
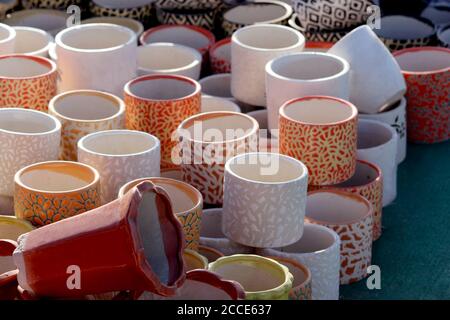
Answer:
[(96, 56), (303, 74), (251, 48), (32, 41), (7, 39)]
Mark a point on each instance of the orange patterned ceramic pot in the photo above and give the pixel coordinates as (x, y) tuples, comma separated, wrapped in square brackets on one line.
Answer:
[(50, 191), (82, 112), (351, 217), (187, 204), (320, 131), (27, 81), (157, 104)]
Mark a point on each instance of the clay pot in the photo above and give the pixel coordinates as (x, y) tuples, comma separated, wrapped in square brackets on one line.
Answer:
[(194, 261)]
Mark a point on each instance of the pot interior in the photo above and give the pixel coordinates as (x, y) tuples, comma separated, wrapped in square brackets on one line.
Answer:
[(217, 85), (253, 13), (11, 230), (364, 175), (4, 33), (223, 51), (425, 60), (193, 260), (267, 37), (209, 253), (47, 20), (198, 290), (299, 274), (162, 88), (121, 21), (403, 28), (6, 264), (211, 226), (211, 104), (96, 37), (372, 134), (29, 40), (23, 67), (179, 35), (166, 57), (315, 239), (25, 121)]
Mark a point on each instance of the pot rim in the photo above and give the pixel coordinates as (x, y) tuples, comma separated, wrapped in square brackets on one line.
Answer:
[(139, 26), (288, 10), (40, 31), (13, 220), (210, 249), (417, 19), (17, 133), (394, 135), (11, 31), (421, 49), (217, 45), (296, 264), (198, 257), (41, 60), (389, 110)]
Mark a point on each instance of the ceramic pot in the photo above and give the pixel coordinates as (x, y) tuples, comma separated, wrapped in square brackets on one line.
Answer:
[(370, 89), (52, 21), (318, 249), (96, 56), (262, 278), (332, 157), (427, 73), (210, 104), (332, 14), (26, 137), (210, 254), (275, 217), (204, 18), (268, 140), (217, 85), (51, 4), (47, 192), (186, 202), (311, 33), (207, 141), (400, 32), (172, 173), (7, 205), (78, 116), (140, 10), (130, 23), (251, 48), (7, 39), (188, 4), (220, 56), (304, 74), (32, 41), (27, 81), (256, 11), (395, 116), (120, 156), (351, 217), (444, 36), (318, 46), (438, 12), (145, 241), (194, 261), (211, 234), (301, 285), (377, 143), (6, 6), (157, 104), (169, 58)]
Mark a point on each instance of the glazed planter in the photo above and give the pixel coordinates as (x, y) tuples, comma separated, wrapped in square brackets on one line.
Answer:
[(319, 250), (32, 41), (140, 10), (194, 261), (120, 156), (351, 217), (427, 73), (275, 217), (401, 32), (377, 143), (395, 116), (211, 234), (444, 36), (210, 104), (204, 18), (267, 142), (186, 202), (52, 21), (26, 137), (318, 46), (210, 254), (304, 74), (169, 58), (262, 278), (207, 141), (311, 33), (370, 89), (82, 112), (7, 39), (51, 4), (96, 56), (251, 48), (27, 81), (220, 56), (256, 11), (301, 285), (157, 104), (145, 249), (332, 157), (47, 192), (130, 23)]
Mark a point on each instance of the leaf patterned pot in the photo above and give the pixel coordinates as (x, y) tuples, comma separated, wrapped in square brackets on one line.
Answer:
[(7, 39), (220, 56), (47, 192), (200, 18)]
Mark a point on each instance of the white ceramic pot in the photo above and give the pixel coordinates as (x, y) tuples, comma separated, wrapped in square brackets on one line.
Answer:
[(26, 137), (32, 41), (169, 58), (120, 156), (7, 39), (395, 116), (377, 143), (268, 141), (210, 104), (318, 249), (52, 21), (217, 85), (275, 217), (303, 74), (376, 80), (132, 24), (251, 48), (96, 56)]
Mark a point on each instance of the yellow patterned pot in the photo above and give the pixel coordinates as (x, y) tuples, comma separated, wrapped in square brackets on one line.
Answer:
[(194, 260)]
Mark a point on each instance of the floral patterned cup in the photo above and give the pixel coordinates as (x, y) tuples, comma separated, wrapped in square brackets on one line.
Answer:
[(50, 191)]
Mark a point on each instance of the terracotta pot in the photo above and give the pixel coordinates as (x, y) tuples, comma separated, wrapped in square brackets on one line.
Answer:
[(140, 10), (321, 132), (7, 39), (130, 23), (211, 104), (275, 217), (145, 249), (74, 109), (351, 216), (220, 56), (32, 41), (52, 21), (119, 156), (261, 278), (27, 81), (207, 141), (47, 192), (186, 202), (210, 254), (318, 249), (194, 261), (427, 73), (26, 137)]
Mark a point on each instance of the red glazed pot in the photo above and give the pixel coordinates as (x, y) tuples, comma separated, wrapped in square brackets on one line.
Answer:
[(220, 56)]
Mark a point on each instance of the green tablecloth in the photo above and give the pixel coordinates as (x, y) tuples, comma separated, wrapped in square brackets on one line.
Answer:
[(414, 251)]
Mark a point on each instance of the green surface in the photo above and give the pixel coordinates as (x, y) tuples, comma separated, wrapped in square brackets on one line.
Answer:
[(413, 252)]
